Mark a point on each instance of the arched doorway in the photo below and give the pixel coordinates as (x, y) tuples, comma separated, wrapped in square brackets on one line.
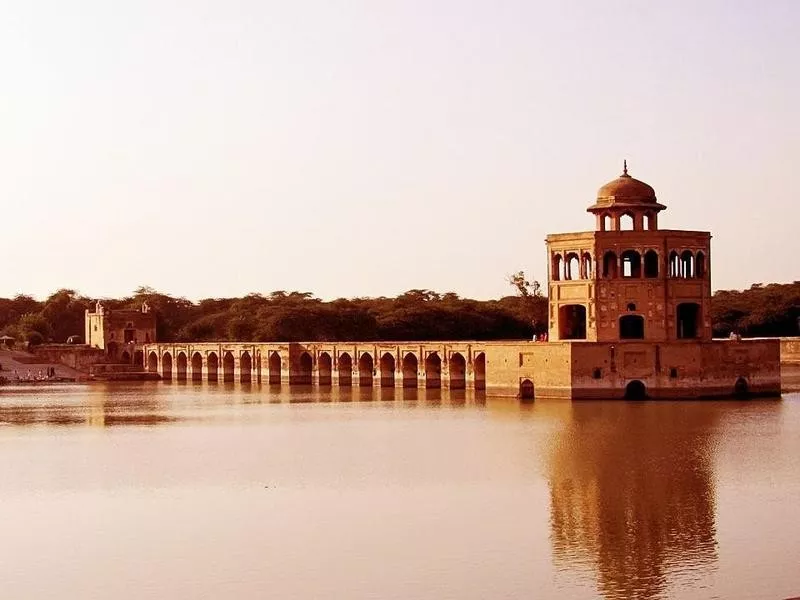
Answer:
[(433, 371), (458, 371), (305, 366), (324, 369), (387, 370), (197, 367), (410, 367), (572, 322), (526, 390), (245, 367), (166, 366), (152, 362), (274, 368), (182, 366), (740, 388), (111, 350), (138, 358), (479, 371), (365, 367), (631, 327), (635, 390), (688, 320), (125, 358), (345, 368), (213, 366), (228, 366)]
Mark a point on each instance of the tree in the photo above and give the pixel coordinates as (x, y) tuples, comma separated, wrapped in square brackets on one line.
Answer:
[(535, 303)]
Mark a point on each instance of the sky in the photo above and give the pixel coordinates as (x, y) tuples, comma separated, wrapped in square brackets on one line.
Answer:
[(367, 147)]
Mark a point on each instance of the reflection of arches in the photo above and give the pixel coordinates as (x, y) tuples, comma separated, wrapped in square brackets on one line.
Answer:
[(688, 320), (152, 362), (274, 365), (138, 358), (228, 366), (182, 366), (631, 264), (740, 388), (609, 265), (433, 371), (700, 264), (387, 370), (410, 365), (651, 263), (631, 327), (345, 368), (324, 369), (365, 368), (245, 367), (635, 390), (166, 366), (526, 390), (305, 366), (197, 367), (213, 366), (479, 370), (572, 322), (458, 371)]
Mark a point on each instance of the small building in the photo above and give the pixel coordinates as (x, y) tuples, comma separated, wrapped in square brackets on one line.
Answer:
[(120, 331)]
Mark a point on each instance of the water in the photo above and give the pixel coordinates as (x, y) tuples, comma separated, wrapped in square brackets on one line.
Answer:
[(176, 491)]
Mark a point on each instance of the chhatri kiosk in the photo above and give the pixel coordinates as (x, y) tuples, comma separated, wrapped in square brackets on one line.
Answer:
[(629, 312)]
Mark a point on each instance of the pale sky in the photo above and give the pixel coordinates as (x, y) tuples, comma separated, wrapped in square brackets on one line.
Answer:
[(367, 147)]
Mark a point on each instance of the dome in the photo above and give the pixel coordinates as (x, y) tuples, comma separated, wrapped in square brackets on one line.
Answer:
[(626, 191)]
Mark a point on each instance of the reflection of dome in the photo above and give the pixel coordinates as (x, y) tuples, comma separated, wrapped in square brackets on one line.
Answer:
[(625, 190)]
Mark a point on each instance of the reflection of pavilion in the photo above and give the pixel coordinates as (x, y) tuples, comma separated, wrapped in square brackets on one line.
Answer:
[(632, 493)]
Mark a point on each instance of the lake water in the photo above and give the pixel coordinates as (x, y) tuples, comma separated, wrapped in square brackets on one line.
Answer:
[(180, 491)]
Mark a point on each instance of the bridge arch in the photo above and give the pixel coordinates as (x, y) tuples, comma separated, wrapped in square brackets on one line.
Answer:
[(433, 371), (197, 367), (365, 369), (304, 369), (228, 366), (410, 369), (213, 366), (152, 362), (387, 370), (182, 366), (245, 368), (166, 366), (324, 369), (345, 368), (274, 367), (479, 370), (458, 371)]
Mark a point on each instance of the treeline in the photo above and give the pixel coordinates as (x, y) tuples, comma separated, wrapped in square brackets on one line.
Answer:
[(762, 310)]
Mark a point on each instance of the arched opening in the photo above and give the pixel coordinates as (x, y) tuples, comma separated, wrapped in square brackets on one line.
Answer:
[(586, 265), (433, 371), (700, 264), (631, 264), (387, 370), (166, 366), (479, 370), (245, 367), (183, 364), (607, 223), (365, 369), (274, 365), (152, 362), (635, 390), (324, 369), (111, 350), (228, 367), (305, 365), (688, 320), (212, 364), (572, 322), (626, 222), (631, 327), (526, 390), (647, 221), (458, 371), (197, 367), (651, 264), (410, 370), (609, 265), (556, 267), (573, 266), (345, 368), (687, 264), (740, 388), (138, 358), (125, 358), (674, 264)]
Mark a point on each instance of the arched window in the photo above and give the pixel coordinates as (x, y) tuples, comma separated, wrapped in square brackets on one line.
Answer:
[(674, 264), (647, 221), (556, 267), (626, 222), (687, 264), (631, 264), (572, 266), (572, 322), (700, 264), (607, 222), (609, 265), (651, 263), (586, 264)]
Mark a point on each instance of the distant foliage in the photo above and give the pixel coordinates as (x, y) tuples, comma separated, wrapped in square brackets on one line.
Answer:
[(762, 310)]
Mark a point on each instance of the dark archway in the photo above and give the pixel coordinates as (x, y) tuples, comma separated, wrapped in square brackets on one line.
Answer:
[(687, 264), (138, 358), (228, 367), (586, 266), (274, 365), (345, 368), (674, 264), (556, 267), (365, 369), (433, 371), (688, 320), (305, 366), (126, 357), (387, 370), (651, 264), (166, 366), (635, 390), (410, 369), (212, 364), (700, 265), (182, 366), (197, 367), (572, 322), (631, 264), (152, 362), (245, 367), (479, 370), (610, 265), (631, 327), (458, 371), (324, 369), (740, 388), (111, 350), (526, 390)]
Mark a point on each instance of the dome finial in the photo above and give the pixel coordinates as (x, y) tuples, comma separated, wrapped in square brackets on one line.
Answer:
[(625, 166)]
